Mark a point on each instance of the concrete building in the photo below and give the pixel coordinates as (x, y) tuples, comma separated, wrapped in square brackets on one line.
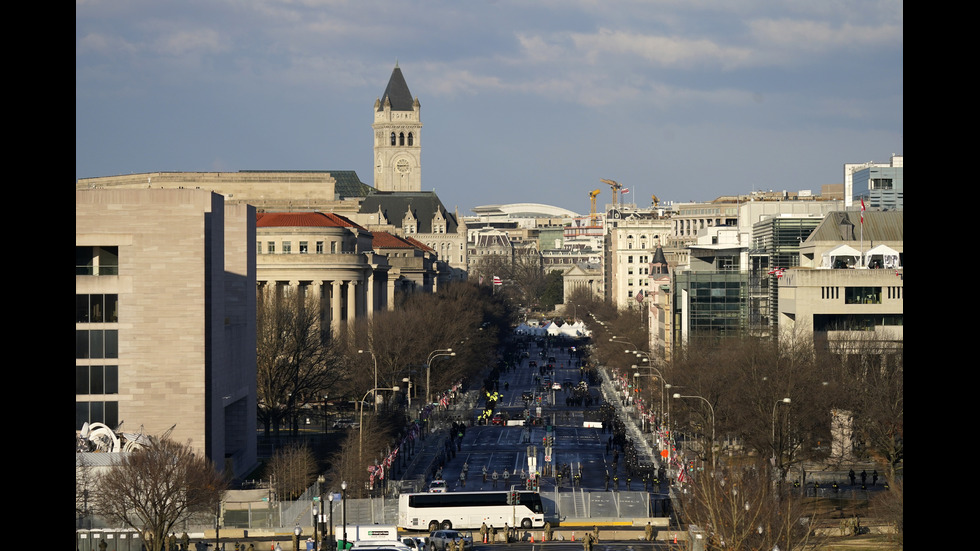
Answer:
[(628, 251), (832, 297), (325, 256), (165, 318), (881, 183)]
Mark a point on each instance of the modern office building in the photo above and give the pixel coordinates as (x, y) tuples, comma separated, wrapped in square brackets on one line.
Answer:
[(165, 318), (881, 185)]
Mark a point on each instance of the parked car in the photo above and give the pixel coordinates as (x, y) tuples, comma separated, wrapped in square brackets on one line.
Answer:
[(415, 544), (498, 419), (437, 487), (556, 386), (439, 540)]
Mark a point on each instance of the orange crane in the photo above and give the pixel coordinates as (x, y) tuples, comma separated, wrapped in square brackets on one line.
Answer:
[(593, 218), (616, 186)]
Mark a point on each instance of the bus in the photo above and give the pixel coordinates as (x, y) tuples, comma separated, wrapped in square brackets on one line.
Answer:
[(470, 510)]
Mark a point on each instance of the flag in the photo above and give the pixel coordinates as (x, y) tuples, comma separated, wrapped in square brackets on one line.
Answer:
[(862, 211), (496, 281), (639, 296), (625, 190)]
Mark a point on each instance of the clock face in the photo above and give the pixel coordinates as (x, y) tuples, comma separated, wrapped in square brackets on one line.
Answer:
[(403, 166)]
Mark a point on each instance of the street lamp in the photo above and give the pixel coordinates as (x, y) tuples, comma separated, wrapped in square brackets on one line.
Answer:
[(343, 503), (714, 462), (330, 542), (360, 428), (409, 381), (375, 358), (428, 370), (320, 480), (774, 406), (663, 384)]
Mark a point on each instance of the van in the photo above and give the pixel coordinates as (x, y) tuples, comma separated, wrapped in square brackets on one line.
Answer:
[(381, 545)]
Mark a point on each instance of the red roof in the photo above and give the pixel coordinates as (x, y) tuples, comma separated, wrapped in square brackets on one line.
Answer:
[(385, 240), (303, 219), (419, 244)]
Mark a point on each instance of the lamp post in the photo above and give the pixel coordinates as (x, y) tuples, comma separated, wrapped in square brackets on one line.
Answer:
[(360, 428), (330, 542), (774, 406), (663, 384), (375, 358), (343, 503), (409, 381), (428, 371), (320, 480), (714, 462), (296, 532)]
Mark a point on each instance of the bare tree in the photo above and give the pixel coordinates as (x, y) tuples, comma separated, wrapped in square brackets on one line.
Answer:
[(292, 470), (155, 488), (297, 364), (737, 508)]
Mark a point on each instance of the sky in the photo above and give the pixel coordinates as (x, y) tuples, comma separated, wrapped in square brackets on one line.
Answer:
[(521, 100)]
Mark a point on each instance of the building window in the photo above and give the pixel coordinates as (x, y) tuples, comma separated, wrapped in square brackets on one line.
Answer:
[(319, 247), (287, 247), (96, 343), (401, 138), (304, 247), (96, 261), (96, 379), (96, 308), (411, 140), (258, 247), (862, 295), (96, 412), (392, 138), (271, 247)]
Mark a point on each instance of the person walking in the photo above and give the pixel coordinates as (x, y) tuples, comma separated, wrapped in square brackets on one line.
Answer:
[(595, 533), (648, 532), (495, 477)]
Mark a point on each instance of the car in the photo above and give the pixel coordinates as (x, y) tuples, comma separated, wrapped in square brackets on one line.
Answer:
[(437, 487), (556, 386), (498, 419), (346, 424), (415, 543), (382, 545), (439, 540), (551, 359), (532, 363)]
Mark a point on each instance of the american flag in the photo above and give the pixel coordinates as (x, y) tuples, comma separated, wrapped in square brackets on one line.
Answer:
[(497, 281), (625, 190)]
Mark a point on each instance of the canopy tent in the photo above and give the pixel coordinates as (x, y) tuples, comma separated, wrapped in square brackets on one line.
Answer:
[(841, 256), (882, 256)]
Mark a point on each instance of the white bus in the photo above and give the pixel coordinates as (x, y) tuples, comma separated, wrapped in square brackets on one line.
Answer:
[(469, 510)]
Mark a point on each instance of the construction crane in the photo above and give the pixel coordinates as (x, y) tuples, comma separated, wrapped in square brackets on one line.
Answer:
[(655, 200), (593, 218), (616, 186)]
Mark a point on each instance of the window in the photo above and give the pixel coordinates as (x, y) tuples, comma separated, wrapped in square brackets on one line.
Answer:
[(319, 247), (862, 295), (96, 308), (392, 138), (271, 247), (411, 140), (401, 138), (96, 261), (287, 247), (258, 247), (304, 247), (96, 379), (96, 343), (96, 412)]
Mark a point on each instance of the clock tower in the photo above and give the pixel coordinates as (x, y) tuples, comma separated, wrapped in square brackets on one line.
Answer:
[(397, 138)]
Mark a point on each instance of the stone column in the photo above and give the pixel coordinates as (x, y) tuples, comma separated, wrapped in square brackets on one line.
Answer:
[(351, 301), (335, 307), (370, 300), (391, 292)]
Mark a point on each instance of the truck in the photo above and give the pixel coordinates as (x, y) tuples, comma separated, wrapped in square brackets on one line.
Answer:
[(364, 533)]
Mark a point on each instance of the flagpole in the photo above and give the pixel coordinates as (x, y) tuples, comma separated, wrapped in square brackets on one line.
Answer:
[(864, 263)]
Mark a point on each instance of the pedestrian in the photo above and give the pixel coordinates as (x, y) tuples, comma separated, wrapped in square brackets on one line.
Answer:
[(251, 547), (851, 476), (495, 477), (185, 541), (506, 479), (483, 532), (103, 545), (595, 533), (864, 477), (484, 474), (648, 531), (493, 534), (506, 533), (874, 478), (547, 531), (462, 479)]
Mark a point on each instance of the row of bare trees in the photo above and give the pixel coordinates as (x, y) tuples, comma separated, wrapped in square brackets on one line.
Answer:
[(771, 406)]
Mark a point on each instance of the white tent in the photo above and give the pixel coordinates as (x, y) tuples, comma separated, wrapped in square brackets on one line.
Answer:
[(844, 254), (882, 256)]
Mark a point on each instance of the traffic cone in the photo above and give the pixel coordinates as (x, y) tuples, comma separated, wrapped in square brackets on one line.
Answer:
[(544, 537), (675, 538), (573, 536), (532, 538)]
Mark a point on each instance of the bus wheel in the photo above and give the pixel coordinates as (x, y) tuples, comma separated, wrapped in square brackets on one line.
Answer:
[(526, 523), (433, 526), (446, 525)]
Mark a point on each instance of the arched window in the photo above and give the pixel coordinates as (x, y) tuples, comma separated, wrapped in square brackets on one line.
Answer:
[(401, 139), (392, 138), (411, 139)]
